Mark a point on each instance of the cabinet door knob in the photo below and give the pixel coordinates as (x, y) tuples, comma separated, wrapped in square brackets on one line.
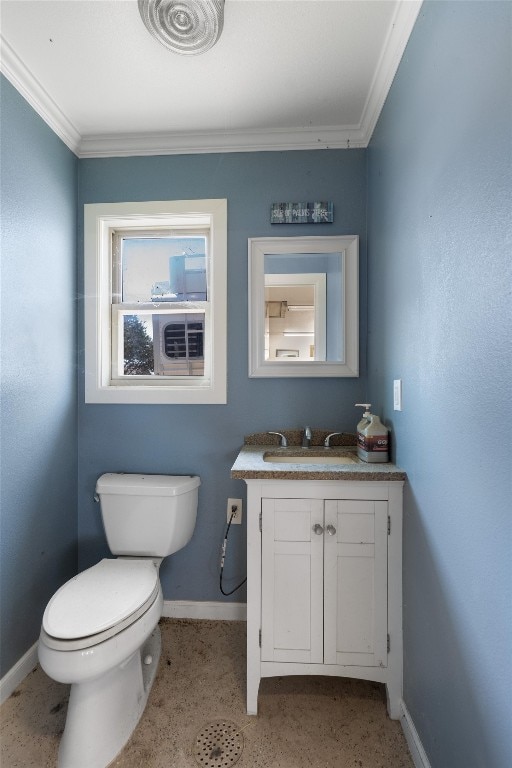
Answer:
[(331, 530), (317, 528)]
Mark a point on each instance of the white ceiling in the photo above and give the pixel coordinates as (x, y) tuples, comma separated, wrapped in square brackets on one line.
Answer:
[(285, 74)]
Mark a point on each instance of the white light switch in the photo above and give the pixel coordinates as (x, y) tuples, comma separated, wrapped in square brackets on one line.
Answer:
[(397, 395)]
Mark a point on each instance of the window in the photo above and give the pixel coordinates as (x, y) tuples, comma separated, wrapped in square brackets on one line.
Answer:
[(155, 302)]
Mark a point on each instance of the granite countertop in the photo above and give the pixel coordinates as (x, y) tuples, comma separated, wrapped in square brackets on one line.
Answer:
[(250, 465)]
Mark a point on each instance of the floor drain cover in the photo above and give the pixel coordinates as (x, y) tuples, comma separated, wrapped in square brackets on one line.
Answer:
[(218, 745)]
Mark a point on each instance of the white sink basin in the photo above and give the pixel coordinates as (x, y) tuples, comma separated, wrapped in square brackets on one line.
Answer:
[(302, 459)]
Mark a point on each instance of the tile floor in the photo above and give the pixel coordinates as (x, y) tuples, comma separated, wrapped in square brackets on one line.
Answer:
[(313, 722)]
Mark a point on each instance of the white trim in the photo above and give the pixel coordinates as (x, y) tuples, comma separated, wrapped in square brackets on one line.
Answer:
[(393, 49), (38, 98), (99, 221), (418, 754), (16, 675), (201, 142), (258, 248), (185, 609)]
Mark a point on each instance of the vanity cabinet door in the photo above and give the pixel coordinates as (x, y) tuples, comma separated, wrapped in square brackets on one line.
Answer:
[(324, 581), (355, 562), (292, 580)]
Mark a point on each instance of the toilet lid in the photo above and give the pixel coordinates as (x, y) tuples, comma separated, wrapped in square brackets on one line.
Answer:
[(100, 598)]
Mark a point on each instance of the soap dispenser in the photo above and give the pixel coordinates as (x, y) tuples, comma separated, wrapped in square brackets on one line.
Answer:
[(372, 439)]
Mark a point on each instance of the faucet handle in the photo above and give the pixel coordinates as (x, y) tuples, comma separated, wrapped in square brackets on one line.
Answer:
[(327, 441), (284, 442)]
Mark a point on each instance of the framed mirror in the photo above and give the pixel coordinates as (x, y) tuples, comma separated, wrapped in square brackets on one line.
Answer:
[(303, 306)]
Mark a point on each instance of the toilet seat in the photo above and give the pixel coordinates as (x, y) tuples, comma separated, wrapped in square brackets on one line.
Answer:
[(100, 602)]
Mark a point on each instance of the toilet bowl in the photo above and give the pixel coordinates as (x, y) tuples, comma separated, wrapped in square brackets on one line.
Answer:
[(110, 678), (100, 630)]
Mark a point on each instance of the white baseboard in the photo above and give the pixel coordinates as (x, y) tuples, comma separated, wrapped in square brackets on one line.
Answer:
[(418, 754), (18, 673), (188, 609)]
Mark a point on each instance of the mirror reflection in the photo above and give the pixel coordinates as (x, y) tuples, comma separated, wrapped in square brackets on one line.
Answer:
[(308, 290), (291, 326), (303, 306)]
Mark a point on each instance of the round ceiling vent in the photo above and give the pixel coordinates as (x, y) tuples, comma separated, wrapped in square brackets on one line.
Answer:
[(184, 26)]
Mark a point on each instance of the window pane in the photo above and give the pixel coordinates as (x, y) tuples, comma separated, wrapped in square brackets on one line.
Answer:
[(163, 269), (163, 344)]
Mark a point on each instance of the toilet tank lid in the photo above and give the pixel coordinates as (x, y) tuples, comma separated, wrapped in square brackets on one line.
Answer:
[(146, 485)]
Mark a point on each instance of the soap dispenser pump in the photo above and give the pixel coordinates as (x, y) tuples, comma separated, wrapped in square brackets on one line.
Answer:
[(366, 416)]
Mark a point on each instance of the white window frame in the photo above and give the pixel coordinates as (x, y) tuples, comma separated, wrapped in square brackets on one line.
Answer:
[(100, 221)]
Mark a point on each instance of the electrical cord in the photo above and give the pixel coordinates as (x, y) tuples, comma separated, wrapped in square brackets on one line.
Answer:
[(223, 557)]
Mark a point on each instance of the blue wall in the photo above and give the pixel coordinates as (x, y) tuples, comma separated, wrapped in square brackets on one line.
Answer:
[(206, 439), (38, 410), (439, 266)]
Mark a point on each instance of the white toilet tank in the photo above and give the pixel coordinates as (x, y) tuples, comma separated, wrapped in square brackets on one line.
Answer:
[(148, 515)]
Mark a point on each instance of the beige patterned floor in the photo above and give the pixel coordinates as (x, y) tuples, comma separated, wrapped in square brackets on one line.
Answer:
[(311, 722)]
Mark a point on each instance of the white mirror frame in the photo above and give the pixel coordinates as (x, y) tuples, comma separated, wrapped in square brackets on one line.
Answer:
[(259, 247)]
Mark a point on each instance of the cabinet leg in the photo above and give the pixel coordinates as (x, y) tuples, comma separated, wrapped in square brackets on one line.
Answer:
[(253, 684), (394, 696)]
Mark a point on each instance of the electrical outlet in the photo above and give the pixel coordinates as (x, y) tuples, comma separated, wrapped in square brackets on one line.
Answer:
[(237, 503)]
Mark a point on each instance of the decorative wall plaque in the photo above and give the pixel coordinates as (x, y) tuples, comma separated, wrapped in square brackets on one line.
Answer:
[(302, 213)]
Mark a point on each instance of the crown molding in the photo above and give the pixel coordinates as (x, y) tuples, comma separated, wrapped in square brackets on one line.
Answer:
[(39, 99), (393, 49), (200, 142), (197, 142)]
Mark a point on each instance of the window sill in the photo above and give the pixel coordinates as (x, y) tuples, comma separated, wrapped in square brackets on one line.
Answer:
[(160, 395)]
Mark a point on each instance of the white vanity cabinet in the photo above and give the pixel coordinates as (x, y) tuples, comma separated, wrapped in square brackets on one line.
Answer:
[(324, 582)]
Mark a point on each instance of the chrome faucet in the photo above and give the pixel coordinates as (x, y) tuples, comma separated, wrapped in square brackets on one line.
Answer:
[(306, 438), (327, 441), (284, 442)]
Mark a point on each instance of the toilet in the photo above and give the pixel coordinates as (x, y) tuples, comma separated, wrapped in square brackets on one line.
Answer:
[(100, 630)]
